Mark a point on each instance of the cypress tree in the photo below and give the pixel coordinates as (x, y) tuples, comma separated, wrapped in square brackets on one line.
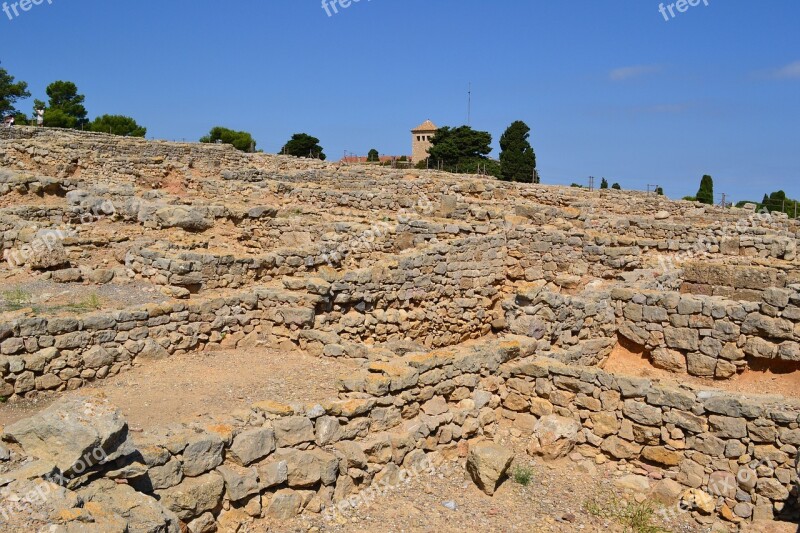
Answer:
[(706, 193), (517, 159)]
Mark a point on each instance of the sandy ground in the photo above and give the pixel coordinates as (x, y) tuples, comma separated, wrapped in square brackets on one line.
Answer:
[(554, 501), (48, 298), (185, 387)]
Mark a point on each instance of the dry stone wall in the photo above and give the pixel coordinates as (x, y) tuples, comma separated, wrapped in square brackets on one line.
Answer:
[(740, 452), (382, 265), (711, 336)]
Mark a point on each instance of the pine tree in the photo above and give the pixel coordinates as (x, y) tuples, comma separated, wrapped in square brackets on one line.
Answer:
[(604, 183), (303, 145), (66, 108), (11, 91)]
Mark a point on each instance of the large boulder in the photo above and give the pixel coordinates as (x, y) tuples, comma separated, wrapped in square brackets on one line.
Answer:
[(45, 251), (194, 496), (186, 218), (554, 437), (74, 434), (143, 513), (487, 463)]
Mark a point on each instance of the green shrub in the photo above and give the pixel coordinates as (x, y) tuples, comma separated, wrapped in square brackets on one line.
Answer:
[(523, 475)]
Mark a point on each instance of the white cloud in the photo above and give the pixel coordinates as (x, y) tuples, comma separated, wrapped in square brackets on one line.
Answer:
[(790, 71), (627, 73), (665, 108)]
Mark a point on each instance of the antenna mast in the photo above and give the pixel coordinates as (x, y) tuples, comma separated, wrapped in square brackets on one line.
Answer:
[(469, 105)]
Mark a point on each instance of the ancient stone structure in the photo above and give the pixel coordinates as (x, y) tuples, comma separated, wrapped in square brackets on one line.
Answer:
[(470, 304)]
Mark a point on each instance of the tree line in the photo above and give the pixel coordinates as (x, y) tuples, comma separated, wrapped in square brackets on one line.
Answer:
[(776, 202), (64, 109), (460, 149), (465, 150)]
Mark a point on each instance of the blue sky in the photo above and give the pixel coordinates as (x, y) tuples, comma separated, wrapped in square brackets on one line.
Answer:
[(609, 88)]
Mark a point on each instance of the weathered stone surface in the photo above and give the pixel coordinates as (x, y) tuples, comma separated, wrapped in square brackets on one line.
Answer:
[(307, 468), (672, 360), (667, 492), (160, 477), (272, 473), (554, 437), (73, 433), (620, 448), (141, 512), (772, 489), (293, 430), (45, 252), (722, 484), (487, 463), (328, 430), (97, 357), (194, 496), (727, 427), (203, 453), (682, 338), (642, 413), (285, 504), (662, 455), (604, 423), (634, 483), (239, 482), (185, 218), (251, 445)]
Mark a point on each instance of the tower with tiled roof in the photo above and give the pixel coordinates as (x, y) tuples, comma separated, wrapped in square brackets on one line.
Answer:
[(421, 140)]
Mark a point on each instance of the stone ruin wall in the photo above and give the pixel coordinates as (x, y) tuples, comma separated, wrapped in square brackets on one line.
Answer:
[(471, 273)]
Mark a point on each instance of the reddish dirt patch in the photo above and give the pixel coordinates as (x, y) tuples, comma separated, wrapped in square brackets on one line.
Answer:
[(631, 360)]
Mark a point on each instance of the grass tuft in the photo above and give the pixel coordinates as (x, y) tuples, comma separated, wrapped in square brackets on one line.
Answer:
[(16, 299), (633, 517)]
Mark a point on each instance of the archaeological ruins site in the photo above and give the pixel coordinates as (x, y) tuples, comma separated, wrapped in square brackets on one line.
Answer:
[(193, 338)]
